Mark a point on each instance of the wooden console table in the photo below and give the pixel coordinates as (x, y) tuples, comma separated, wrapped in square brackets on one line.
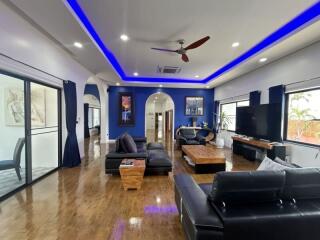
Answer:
[(273, 150), (132, 175), (254, 142)]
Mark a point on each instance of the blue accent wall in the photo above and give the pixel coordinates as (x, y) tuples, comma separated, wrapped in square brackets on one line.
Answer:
[(141, 95), (93, 90)]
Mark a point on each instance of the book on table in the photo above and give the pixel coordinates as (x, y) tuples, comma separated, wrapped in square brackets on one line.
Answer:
[(126, 163)]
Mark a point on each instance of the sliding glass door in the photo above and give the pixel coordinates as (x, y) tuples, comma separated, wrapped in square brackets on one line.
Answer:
[(44, 129), (12, 137), (30, 127)]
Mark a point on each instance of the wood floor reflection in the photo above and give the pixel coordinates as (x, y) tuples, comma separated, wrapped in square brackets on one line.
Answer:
[(85, 203)]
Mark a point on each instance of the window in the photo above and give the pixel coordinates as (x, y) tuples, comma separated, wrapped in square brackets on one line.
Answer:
[(303, 117), (228, 114), (93, 117)]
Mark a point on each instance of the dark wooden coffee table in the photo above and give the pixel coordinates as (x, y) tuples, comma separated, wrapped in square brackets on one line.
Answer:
[(132, 176), (206, 159)]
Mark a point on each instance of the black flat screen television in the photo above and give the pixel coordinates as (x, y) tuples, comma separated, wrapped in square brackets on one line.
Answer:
[(262, 122)]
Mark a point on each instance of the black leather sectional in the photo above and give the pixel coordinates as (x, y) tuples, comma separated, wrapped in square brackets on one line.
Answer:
[(157, 159), (259, 205)]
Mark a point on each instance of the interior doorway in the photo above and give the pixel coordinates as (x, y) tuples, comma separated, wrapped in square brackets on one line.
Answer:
[(92, 111), (159, 118)]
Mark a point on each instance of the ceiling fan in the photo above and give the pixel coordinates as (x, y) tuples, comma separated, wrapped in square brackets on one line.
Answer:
[(182, 50)]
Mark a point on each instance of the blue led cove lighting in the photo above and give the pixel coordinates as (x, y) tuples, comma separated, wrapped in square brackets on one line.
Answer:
[(301, 21)]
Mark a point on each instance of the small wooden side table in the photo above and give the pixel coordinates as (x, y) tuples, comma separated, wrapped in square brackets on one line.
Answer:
[(132, 175)]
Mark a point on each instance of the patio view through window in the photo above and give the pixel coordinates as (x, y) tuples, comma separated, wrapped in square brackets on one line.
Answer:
[(303, 124), (228, 114)]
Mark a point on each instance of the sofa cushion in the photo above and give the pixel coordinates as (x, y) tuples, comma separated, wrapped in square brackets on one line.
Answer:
[(158, 158), (155, 146), (302, 183), (159, 162), (193, 142), (128, 144), (247, 187)]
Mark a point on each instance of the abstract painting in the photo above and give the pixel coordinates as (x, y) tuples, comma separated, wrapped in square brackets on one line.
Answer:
[(14, 107), (126, 109), (194, 106)]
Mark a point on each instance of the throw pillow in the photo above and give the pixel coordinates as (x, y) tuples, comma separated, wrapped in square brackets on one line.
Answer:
[(123, 144), (129, 144), (284, 163), (118, 145), (269, 165)]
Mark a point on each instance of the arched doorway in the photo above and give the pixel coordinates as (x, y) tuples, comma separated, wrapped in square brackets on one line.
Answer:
[(159, 118), (92, 111)]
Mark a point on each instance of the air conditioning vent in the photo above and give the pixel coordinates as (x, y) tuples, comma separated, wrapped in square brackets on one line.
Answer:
[(168, 69)]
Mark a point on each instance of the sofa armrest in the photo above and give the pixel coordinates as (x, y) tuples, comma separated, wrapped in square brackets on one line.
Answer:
[(194, 200), (115, 155), (181, 138)]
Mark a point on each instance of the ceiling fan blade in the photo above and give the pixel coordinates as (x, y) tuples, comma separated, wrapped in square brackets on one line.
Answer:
[(197, 43), (164, 50), (184, 57)]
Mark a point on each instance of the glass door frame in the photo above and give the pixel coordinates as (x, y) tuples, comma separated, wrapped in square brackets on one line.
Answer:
[(27, 119)]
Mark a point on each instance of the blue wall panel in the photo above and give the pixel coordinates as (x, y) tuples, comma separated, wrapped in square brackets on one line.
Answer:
[(141, 95)]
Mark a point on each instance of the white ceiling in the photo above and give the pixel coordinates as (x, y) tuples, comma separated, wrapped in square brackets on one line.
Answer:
[(150, 23)]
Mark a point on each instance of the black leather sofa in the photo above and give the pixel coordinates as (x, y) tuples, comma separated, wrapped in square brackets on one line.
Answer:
[(187, 136), (260, 205), (157, 159)]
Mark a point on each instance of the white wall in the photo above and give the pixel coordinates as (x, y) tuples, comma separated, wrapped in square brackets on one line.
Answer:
[(23, 42), (300, 66)]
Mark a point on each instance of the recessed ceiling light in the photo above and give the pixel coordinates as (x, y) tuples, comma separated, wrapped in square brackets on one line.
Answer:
[(160, 85), (235, 44), (135, 74), (207, 86), (124, 37), (196, 76), (78, 44), (263, 59), (118, 84)]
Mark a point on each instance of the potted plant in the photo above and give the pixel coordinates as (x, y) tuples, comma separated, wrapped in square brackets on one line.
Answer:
[(223, 121)]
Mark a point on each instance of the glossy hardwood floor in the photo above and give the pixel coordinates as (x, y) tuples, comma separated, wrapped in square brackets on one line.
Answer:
[(85, 203)]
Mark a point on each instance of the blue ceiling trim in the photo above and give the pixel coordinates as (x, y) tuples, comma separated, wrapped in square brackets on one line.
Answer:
[(302, 20)]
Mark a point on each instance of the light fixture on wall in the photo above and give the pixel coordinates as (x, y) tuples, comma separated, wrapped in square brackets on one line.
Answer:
[(118, 84), (196, 76), (160, 85), (135, 74)]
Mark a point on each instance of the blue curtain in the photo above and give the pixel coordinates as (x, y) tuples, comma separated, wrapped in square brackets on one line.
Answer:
[(71, 155), (255, 98), (277, 94), (216, 105), (85, 119)]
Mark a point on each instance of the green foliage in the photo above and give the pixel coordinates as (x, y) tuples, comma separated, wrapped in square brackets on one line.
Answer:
[(300, 114)]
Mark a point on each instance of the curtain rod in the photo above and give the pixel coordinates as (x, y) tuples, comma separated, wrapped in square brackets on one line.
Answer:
[(35, 68), (234, 97), (311, 79)]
